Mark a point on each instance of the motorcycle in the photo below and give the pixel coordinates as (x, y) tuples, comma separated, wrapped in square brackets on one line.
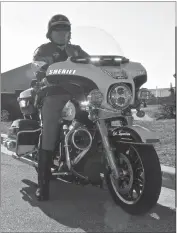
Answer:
[(98, 143)]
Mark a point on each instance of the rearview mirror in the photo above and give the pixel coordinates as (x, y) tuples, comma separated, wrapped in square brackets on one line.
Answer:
[(144, 94)]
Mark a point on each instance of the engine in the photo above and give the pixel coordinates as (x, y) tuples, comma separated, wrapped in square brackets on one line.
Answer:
[(82, 152), (79, 141)]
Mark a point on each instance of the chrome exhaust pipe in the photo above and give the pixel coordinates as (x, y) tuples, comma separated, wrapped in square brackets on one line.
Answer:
[(83, 150), (68, 161), (79, 175), (35, 164), (25, 160), (80, 156), (61, 173)]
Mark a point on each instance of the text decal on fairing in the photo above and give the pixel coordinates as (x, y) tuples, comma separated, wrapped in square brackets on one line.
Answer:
[(61, 71), (120, 134)]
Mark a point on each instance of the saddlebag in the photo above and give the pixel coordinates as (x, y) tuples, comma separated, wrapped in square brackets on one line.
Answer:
[(23, 136)]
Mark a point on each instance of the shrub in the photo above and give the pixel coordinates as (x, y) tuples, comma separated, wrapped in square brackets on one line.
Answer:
[(167, 111)]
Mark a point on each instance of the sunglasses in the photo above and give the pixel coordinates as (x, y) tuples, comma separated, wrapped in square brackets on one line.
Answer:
[(62, 27)]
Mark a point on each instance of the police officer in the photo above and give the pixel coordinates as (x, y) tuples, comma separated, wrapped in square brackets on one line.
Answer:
[(58, 49)]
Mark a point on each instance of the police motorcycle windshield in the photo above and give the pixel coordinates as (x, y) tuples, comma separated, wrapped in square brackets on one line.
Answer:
[(96, 41), (105, 69)]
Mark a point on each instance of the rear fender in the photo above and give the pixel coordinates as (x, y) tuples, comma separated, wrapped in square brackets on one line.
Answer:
[(146, 135)]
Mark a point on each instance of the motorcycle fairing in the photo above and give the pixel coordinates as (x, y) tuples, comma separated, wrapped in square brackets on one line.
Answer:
[(132, 69), (96, 74), (26, 93)]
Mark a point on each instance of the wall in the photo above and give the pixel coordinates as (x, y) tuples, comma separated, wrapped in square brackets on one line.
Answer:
[(17, 79)]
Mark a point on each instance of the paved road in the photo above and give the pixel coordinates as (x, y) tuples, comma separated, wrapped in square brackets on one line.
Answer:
[(71, 208)]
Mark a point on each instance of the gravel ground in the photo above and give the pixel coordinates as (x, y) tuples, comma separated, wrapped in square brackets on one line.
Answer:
[(166, 129), (166, 148)]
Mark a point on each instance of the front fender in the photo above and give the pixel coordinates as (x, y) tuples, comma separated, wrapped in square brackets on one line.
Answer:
[(146, 135)]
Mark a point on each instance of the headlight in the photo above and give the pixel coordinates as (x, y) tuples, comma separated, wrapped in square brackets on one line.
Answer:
[(94, 59), (120, 96), (84, 105), (23, 103), (95, 97), (117, 59)]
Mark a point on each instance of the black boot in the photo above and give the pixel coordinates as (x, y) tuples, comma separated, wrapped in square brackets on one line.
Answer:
[(44, 173), (54, 168)]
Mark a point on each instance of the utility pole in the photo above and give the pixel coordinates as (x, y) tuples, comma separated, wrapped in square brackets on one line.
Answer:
[(156, 96)]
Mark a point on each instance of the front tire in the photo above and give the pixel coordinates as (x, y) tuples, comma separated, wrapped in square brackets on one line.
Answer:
[(151, 186)]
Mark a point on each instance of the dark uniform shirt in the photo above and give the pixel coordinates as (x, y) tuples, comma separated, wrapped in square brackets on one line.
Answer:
[(50, 53)]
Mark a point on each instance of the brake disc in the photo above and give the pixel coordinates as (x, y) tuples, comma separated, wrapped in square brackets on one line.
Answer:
[(123, 173)]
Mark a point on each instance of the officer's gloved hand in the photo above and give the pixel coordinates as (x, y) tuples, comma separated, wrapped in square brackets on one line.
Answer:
[(39, 68), (40, 75)]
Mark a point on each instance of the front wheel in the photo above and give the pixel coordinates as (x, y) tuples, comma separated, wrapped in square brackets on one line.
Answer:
[(139, 186)]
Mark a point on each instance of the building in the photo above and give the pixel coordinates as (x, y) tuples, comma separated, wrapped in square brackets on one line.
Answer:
[(12, 83), (161, 92), (17, 79)]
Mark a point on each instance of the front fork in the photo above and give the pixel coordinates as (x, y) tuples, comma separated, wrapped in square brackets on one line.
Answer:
[(107, 147)]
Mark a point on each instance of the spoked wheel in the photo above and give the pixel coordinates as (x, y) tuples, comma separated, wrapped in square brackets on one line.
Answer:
[(138, 188), (131, 183)]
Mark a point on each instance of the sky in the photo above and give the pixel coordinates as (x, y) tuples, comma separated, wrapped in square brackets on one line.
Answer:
[(142, 31)]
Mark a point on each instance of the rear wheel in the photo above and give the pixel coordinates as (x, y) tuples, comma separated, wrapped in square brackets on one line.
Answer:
[(139, 186)]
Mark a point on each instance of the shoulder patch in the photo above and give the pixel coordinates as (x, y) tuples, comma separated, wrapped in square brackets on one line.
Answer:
[(36, 51)]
